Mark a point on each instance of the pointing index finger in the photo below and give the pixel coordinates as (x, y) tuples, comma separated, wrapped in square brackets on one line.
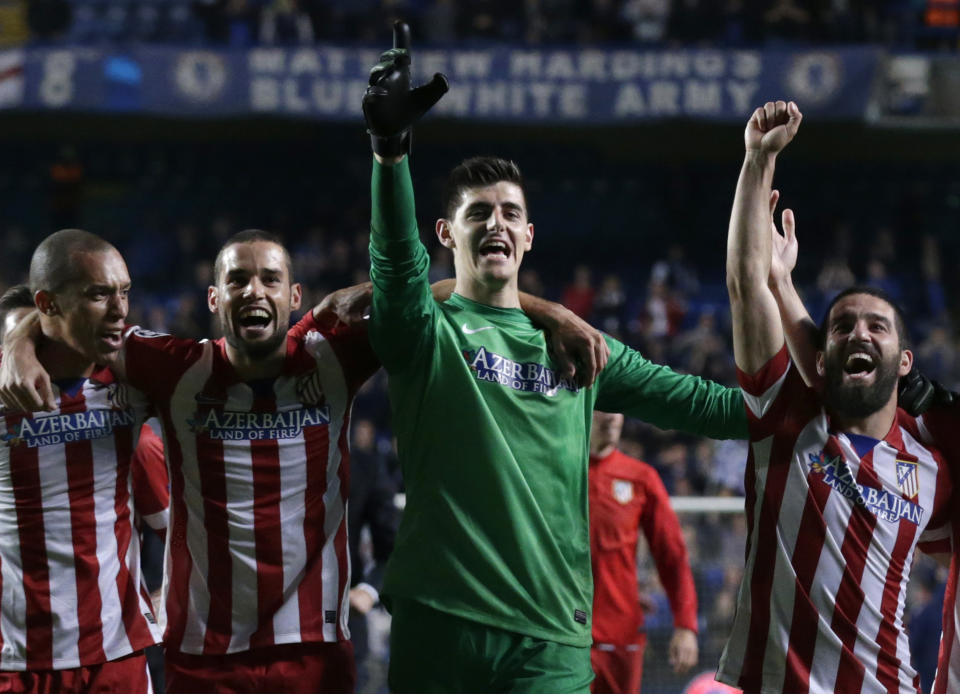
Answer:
[(401, 35)]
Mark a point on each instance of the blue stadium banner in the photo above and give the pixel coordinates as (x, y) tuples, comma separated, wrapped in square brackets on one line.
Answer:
[(501, 84)]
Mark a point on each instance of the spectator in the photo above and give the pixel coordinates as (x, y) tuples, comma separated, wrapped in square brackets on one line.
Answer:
[(578, 296)]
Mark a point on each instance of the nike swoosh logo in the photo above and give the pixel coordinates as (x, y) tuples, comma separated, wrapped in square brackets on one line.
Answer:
[(468, 331)]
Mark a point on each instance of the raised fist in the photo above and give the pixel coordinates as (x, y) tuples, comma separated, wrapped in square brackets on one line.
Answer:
[(772, 126)]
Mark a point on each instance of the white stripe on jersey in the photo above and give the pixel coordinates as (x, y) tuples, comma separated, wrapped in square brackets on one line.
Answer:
[(286, 621)]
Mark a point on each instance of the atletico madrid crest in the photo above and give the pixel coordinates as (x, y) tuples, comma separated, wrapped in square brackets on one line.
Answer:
[(907, 478), (623, 491)]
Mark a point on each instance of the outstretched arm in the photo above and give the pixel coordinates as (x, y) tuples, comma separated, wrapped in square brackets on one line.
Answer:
[(578, 347), (800, 330), (757, 331)]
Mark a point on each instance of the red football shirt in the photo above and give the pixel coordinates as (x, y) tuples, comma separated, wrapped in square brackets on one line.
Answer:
[(626, 495)]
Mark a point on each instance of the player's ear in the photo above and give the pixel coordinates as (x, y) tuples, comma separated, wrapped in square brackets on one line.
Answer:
[(821, 370), (45, 303), (445, 233), (528, 243), (213, 299), (296, 295), (906, 362)]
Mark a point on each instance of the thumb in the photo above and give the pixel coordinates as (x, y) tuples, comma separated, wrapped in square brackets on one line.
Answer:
[(793, 118), (789, 225), (425, 96), (45, 390)]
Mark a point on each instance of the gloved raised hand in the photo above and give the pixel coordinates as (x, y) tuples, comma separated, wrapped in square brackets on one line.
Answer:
[(389, 105), (916, 394)]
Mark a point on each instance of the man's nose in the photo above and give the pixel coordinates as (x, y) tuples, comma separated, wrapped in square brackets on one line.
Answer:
[(254, 287), (861, 331), (495, 220), (117, 305)]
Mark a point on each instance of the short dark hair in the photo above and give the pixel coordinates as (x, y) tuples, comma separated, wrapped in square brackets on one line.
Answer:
[(52, 266), (899, 322), (251, 236), (479, 172), (18, 296)]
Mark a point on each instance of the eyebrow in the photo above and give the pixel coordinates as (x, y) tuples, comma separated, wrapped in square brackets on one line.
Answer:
[(869, 316)]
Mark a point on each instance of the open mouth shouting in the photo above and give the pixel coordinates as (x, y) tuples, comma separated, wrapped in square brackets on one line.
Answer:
[(494, 250), (253, 321), (859, 365)]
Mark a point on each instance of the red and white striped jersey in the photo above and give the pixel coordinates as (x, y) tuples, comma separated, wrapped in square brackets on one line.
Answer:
[(69, 555), (831, 538), (940, 427), (259, 479)]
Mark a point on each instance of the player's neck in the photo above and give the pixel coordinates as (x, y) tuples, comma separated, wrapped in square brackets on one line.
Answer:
[(604, 451), (503, 295), (251, 368), (876, 425), (62, 361)]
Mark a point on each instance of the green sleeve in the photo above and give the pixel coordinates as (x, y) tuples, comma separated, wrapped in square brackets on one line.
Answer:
[(662, 397), (402, 315)]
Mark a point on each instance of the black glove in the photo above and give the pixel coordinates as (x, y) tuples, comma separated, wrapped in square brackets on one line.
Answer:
[(389, 105), (916, 394)]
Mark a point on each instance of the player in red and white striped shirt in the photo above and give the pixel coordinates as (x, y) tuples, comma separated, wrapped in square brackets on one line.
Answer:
[(72, 616), (839, 484), (255, 426)]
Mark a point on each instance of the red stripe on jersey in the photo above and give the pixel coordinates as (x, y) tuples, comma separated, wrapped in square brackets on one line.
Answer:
[(949, 635), (178, 585), (268, 538), (213, 485), (806, 554), (768, 374), (849, 601), (25, 476), (310, 590), (83, 518), (888, 664), (127, 587), (761, 581)]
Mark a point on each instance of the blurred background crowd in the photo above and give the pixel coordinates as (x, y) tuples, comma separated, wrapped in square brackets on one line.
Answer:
[(927, 24)]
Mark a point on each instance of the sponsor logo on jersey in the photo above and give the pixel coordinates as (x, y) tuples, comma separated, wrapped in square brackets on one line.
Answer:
[(881, 503), (52, 430), (529, 377), (226, 425), (623, 491)]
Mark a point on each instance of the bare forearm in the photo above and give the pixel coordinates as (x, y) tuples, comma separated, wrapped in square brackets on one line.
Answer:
[(546, 314), (801, 333), (757, 334), (748, 239)]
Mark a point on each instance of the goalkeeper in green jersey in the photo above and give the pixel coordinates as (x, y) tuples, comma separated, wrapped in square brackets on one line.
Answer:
[(490, 582)]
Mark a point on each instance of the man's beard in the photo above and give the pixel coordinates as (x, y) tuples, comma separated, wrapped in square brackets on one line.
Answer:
[(856, 400), (255, 350)]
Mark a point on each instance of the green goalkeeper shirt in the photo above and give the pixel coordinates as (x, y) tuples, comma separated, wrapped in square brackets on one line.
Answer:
[(493, 445)]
